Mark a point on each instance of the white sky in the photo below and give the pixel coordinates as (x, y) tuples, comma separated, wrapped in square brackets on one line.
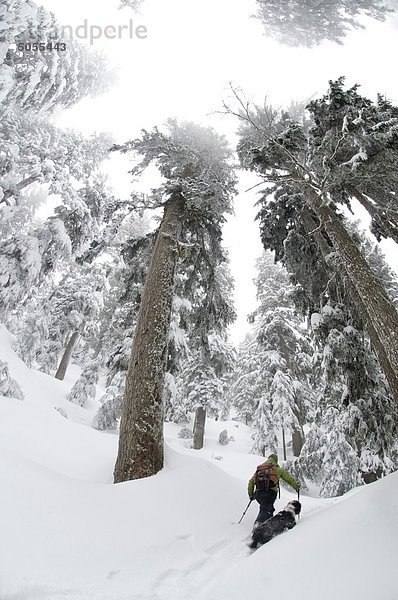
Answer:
[(192, 51)]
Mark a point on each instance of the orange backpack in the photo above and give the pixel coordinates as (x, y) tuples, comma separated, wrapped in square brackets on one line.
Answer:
[(265, 476)]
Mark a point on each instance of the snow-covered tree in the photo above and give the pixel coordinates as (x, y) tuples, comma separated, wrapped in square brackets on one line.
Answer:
[(376, 259), (63, 166), (203, 356), (175, 406), (205, 377), (85, 213), (8, 386), (202, 387), (272, 383), (25, 260), (199, 181), (129, 264), (353, 146), (85, 387), (347, 374), (264, 435), (250, 380), (133, 4), (288, 155), (107, 417), (71, 306), (329, 458), (40, 81), (309, 23), (356, 388), (286, 350), (36, 152), (37, 160), (282, 395)]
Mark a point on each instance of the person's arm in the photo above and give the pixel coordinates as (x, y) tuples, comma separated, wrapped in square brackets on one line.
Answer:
[(289, 479), (250, 486)]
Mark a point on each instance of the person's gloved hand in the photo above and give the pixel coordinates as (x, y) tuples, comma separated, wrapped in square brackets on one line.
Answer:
[(252, 496)]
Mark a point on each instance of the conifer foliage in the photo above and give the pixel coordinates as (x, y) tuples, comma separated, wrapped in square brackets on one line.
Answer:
[(310, 173), (313, 169), (45, 297), (39, 161), (133, 4), (308, 23), (39, 81), (273, 378)]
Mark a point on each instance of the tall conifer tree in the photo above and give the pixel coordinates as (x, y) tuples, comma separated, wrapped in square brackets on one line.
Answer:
[(196, 196)]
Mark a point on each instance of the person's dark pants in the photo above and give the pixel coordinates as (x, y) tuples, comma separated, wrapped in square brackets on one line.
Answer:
[(266, 501)]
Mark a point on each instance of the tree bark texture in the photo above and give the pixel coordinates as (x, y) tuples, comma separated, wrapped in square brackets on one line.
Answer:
[(284, 443), (379, 314), (199, 428), (63, 365), (297, 442), (141, 452)]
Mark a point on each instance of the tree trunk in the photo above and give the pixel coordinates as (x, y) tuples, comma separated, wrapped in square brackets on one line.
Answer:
[(284, 444), (312, 228), (199, 428), (369, 477), (297, 442), (63, 365), (141, 452), (378, 312)]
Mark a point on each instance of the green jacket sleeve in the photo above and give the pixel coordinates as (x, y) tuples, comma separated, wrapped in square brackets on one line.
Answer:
[(250, 486), (288, 478)]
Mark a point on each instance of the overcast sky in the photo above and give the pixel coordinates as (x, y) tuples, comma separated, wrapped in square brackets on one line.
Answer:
[(182, 69)]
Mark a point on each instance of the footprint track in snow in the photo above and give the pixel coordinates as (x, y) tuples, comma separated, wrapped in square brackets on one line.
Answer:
[(181, 583)]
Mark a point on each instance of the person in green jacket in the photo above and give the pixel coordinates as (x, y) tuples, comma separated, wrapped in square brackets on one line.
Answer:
[(266, 491)]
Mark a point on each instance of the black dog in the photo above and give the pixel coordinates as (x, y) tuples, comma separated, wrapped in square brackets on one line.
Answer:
[(285, 519)]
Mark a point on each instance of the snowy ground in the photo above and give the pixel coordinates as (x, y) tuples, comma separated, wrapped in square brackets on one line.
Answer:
[(66, 532)]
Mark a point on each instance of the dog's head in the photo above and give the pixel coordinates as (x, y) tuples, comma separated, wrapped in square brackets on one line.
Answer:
[(295, 506)]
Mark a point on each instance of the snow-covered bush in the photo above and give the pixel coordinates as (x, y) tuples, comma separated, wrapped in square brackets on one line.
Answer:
[(185, 433), (85, 386), (8, 386), (108, 414), (223, 438)]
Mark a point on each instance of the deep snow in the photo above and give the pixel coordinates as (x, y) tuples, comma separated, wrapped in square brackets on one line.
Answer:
[(68, 533)]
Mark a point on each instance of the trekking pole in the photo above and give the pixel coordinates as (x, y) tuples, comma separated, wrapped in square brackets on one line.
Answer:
[(245, 511), (298, 498)]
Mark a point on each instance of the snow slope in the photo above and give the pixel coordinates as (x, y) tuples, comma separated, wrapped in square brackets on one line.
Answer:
[(66, 532)]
